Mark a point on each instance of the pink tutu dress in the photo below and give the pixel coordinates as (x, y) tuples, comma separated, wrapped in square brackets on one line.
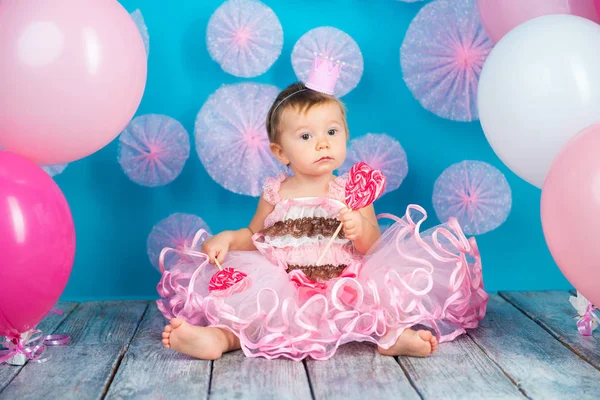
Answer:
[(287, 306)]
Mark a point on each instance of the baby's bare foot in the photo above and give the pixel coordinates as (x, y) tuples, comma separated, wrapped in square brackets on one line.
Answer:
[(196, 341), (412, 343)]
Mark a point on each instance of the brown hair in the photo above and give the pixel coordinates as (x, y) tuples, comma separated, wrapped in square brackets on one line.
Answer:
[(297, 95)]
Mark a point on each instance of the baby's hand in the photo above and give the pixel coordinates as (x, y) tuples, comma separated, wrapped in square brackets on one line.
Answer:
[(216, 247), (353, 224)]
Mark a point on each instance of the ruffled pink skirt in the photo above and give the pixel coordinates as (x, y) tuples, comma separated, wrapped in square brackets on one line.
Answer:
[(408, 278)]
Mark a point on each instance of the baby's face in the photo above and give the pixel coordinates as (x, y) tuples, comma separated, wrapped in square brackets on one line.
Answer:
[(314, 142)]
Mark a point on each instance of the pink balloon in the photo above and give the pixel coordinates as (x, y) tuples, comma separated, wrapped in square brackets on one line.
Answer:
[(570, 209), (37, 242), (500, 16), (72, 76)]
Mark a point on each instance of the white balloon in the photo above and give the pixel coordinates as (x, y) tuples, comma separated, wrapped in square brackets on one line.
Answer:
[(540, 86)]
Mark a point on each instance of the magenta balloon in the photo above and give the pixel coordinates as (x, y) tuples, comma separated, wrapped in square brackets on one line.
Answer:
[(570, 212), (500, 16), (72, 75), (37, 242)]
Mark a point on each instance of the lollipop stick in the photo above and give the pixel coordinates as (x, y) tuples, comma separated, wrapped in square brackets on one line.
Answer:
[(329, 243), (218, 264), (363, 187)]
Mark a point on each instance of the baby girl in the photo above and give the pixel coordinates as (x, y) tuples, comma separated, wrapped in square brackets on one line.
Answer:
[(369, 287)]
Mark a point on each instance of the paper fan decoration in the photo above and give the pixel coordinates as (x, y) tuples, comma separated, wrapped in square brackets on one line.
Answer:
[(231, 137), (153, 149), (51, 170), (244, 37), (381, 152), (333, 43), (177, 231), (138, 18), (54, 170), (475, 193), (441, 58)]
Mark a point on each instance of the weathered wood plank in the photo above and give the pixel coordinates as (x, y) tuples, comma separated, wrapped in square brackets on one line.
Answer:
[(78, 372), (540, 365), (48, 327), (100, 333), (357, 370), (103, 322), (236, 376), (151, 371), (553, 311), (459, 370), (52, 321)]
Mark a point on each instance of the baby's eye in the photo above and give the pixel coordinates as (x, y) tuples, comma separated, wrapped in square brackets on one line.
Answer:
[(332, 132), (305, 136)]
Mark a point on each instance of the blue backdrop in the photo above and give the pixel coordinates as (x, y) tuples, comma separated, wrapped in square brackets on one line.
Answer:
[(113, 216)]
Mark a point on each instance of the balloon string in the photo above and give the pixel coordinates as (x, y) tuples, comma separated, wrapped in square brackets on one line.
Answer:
[(32, 344)]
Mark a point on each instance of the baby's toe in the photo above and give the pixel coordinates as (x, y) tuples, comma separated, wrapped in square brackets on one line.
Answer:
[(176, 322), (434, 344)]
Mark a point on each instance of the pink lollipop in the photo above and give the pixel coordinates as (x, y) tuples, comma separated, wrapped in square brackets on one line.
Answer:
[(363, 187), (225, 281)]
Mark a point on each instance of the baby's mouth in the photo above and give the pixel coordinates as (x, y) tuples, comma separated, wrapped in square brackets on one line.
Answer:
[(324, 159)]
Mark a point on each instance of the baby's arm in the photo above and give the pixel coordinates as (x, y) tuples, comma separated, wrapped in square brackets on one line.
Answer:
[(218, 245), (242, 239), (370, 232)]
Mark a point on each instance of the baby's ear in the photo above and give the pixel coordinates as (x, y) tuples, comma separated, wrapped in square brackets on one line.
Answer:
[(277, 151)]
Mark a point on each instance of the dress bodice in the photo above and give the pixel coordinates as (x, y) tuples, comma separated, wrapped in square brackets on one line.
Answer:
[(298, 229)]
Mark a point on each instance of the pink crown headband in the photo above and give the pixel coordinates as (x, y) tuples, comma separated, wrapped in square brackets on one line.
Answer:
[(322, 77), (324, 74)]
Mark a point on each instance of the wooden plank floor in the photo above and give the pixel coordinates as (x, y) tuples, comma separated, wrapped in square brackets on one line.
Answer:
[(526, 347)]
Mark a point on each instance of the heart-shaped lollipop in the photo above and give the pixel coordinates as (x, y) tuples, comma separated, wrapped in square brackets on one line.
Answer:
[(225, 278), (363, 187)]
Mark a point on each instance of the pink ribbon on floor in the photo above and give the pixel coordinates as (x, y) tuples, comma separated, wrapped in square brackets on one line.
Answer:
[(34, 346), (584, 324)]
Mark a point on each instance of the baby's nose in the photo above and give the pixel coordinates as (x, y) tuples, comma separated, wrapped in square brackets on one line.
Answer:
[(322, 144)]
